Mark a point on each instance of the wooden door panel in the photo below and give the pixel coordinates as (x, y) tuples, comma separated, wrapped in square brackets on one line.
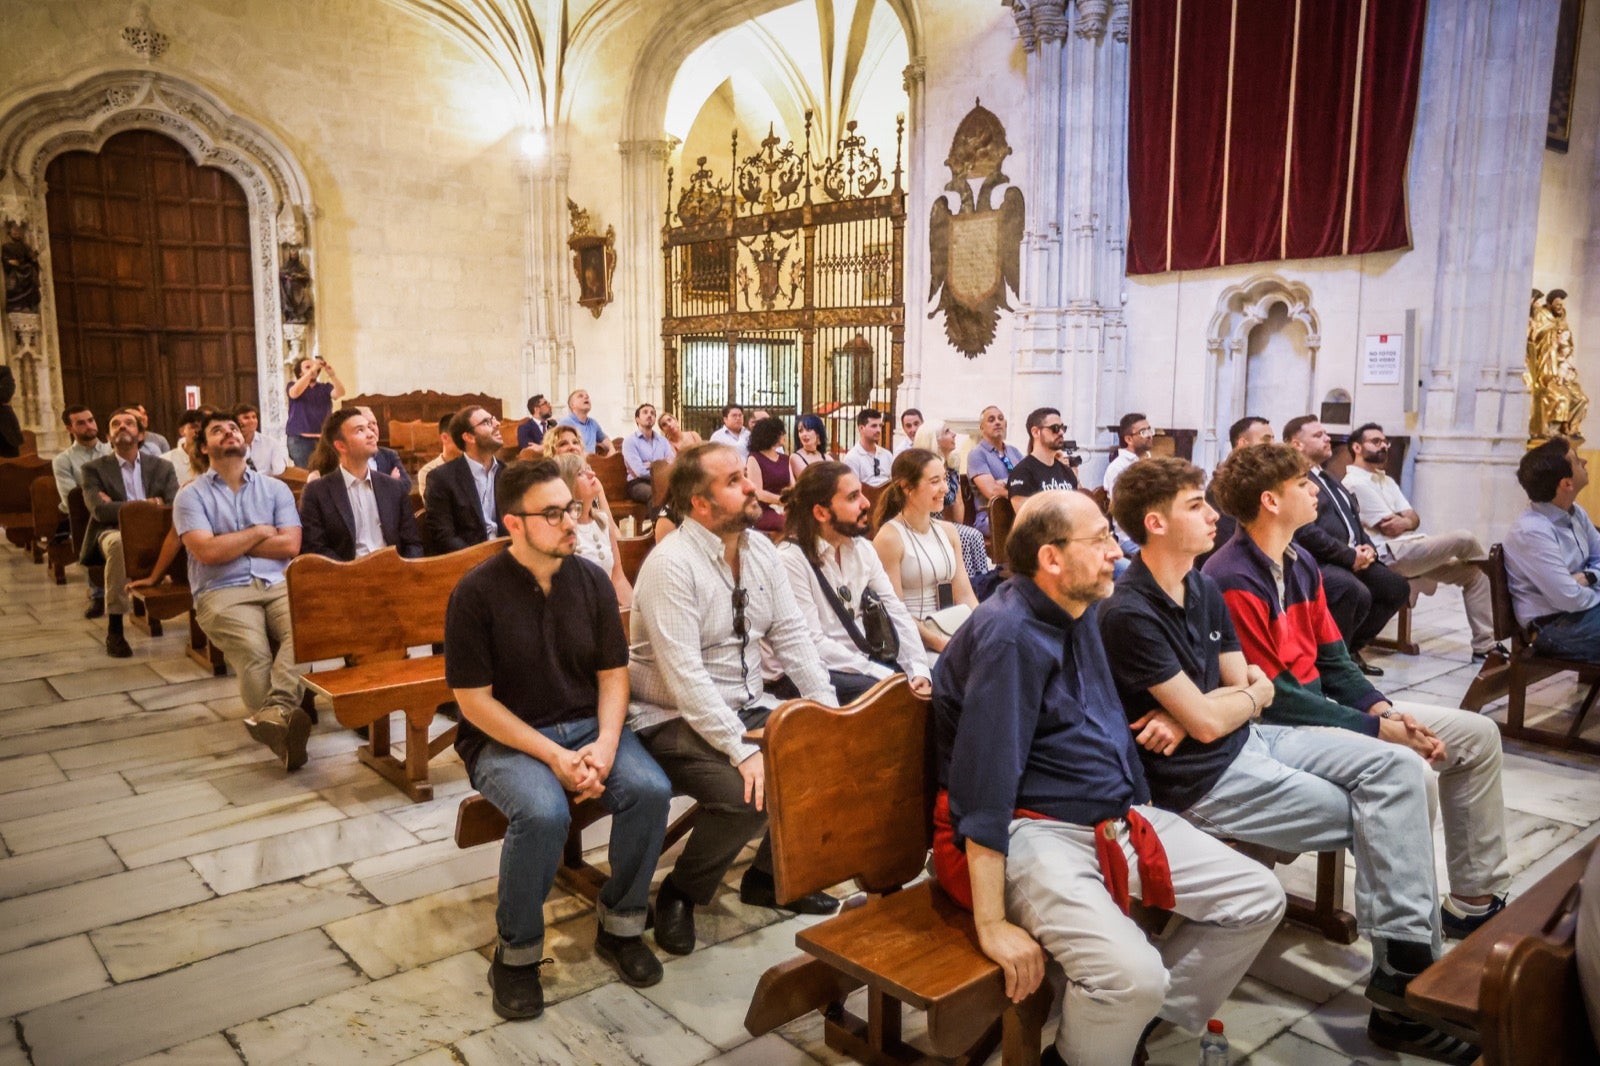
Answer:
[(152, 278)]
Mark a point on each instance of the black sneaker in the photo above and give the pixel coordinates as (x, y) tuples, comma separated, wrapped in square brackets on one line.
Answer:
[(517, 991), (1394, 1033), (1460, 926), (634, 962), (96, 609), (758, 889), (1388, 989), (1499, 651)]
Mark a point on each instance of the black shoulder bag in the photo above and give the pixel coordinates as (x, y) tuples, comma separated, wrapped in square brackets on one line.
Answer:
[(875, 637)]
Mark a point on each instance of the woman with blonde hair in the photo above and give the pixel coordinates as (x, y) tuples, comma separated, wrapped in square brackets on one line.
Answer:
[(563, 440), (936, 436), (921, 554), (597, 533), (681, 439)]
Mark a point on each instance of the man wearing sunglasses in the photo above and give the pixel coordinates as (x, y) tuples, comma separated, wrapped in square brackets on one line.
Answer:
[(460, 501), (1043, 468), (708, 598), (536, 657), (1136, 436)]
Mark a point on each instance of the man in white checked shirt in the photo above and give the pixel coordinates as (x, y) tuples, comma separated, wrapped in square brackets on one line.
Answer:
[(706, 598)]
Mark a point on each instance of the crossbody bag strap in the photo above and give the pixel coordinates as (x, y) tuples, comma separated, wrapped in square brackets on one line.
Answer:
[(849, 624)]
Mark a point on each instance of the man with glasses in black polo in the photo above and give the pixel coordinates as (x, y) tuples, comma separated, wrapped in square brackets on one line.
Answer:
[(460, 500), (707, 598), (1042, 468), (536, 657)]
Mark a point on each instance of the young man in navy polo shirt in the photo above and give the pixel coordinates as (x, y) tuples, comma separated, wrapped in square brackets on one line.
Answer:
[(1044, 795), (537, 660), (1193, 702)]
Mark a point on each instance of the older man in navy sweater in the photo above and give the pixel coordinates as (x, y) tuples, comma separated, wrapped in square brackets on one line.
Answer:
[(1043, 807)]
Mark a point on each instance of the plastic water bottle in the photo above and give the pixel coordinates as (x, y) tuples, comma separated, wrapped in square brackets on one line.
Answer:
[(1213, 1045)]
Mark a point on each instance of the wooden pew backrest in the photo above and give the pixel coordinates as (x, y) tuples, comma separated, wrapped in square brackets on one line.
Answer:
[(144, 525), (850, 791), (377, 604), (633, 551)]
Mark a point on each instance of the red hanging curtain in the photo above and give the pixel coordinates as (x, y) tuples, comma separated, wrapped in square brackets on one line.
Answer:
[(1269, 129)]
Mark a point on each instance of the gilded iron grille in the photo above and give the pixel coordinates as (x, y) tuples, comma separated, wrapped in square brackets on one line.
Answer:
[(784, 284)]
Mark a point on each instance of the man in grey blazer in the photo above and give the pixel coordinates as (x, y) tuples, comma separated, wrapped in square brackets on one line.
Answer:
[(127, 474)]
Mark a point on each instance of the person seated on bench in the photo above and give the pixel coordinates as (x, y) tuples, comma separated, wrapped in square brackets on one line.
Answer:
[(596, 531), (862, 631), (1194, 701), (708, 597), (1552, 555), (920, 553), (129, 473), (460, 502), (447, 452), (1242, 434), (1424, 558), (1362, 592), (188, 456), (67, 468), (241, 529), (536, 657), (356, 510), (1042, 786), (1275, 598)]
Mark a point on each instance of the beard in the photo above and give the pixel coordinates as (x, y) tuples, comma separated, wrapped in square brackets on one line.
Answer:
[(858, 528), (737, 521)]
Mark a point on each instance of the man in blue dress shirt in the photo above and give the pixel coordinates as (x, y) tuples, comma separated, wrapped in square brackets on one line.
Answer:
[(1553, 555)]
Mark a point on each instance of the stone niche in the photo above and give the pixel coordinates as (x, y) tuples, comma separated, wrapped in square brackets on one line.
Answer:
[(1263, 342)]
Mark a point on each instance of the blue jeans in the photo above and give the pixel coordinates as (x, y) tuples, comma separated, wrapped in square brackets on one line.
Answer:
[(1314, 789), (1575, 635), (529, 794), (300, 449)]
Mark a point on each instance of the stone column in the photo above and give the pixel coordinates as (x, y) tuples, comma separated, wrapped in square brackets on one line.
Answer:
[(918, 205), (549, 362), (639, 267), (1483, 103)]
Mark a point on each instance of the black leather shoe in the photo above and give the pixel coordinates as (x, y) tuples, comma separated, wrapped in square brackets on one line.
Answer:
[(96, 609), (517, 991), (117, 646), (1366, 667), (674, 920), (1498, 650), (633, 960), (758, 890)]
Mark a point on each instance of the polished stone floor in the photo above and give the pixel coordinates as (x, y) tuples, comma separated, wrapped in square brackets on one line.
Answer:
[(168, 894)]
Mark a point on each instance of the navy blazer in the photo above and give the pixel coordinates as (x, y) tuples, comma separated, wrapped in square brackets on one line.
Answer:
[(387, 462), (454, 516), (103, 476), (328, 523), (1328, 538)]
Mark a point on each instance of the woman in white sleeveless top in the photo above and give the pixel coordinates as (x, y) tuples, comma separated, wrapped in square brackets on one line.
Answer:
[(920, 553), (597, 534)]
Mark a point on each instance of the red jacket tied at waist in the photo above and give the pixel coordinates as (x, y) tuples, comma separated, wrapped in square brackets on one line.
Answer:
[(950, 862)]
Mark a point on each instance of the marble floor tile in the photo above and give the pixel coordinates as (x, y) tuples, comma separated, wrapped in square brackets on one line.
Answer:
[(1307, 965), (207, 767), (197, 691), (384, 1021), (53, 867), (41, 666), (433, 820), (1529, 837), (1550, 789), (612, 1024), (53, 713), (66, 796), (411, 934), (183, 668), (1253, 1015), (85, 905), (29, 771), (114, 730), (57, 827), (405, 875), (49, 972), (258, 782), (170, 745), (82, 683), (126, 1021), (16, 693), (439, 1056), (1292, 1050), (769, 1050), (220, 829), (184, 935), (49, 639), (302, 852), (213, 1050)]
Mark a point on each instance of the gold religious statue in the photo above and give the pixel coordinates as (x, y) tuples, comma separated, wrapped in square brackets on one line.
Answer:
[(1556, 400)]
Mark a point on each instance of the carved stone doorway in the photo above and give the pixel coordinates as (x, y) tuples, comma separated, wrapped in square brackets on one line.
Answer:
[(152, 278)]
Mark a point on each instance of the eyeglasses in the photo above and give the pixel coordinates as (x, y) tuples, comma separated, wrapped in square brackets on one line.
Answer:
[(553, 515), (1055, 427), (490, 421), (1145, 432), (1105, 540)]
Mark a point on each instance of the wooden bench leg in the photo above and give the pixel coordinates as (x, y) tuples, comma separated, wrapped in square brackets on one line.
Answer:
[(1402, 641), (410, 774), (1324, 913)]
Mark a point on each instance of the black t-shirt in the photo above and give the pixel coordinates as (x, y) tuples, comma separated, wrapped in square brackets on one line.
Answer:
[(1149, 640), (1031, 476), (540, 655)]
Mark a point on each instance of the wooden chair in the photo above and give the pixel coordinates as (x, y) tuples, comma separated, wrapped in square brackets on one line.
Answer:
[(1002, 516), (16, 500), (633, 551), (368, 613), (660, 482), (1525, 668), (613, 475), (46, 518), (1512, 987), (873, 493), (909, 944)]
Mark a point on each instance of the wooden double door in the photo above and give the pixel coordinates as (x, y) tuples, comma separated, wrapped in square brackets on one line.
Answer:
[(151, 264)]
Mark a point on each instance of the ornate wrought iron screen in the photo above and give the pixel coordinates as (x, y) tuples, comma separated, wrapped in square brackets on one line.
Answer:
[(779, 300)]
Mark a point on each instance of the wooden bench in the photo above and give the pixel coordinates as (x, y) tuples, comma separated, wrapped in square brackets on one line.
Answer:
[(909, 944), (1401, 642), (368, 613), (660, 483), (633, 551), (423, 405), (57, 553), (295, 478), (613, 475), (146, 528), (16, 500), (1002, 516), (1512, 986), (1524, 668)]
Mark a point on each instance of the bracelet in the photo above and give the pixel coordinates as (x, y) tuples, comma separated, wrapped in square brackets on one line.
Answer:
[(1390, 713), (1255, 708)]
